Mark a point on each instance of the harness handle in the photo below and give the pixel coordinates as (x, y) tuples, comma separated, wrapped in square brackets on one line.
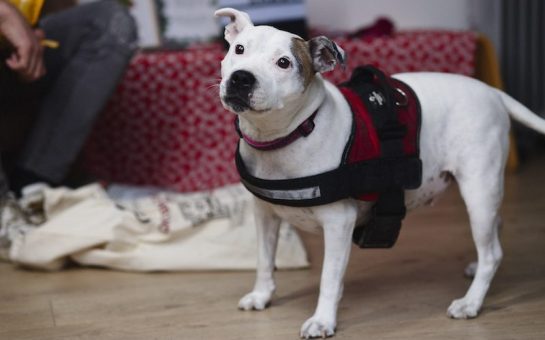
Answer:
[(368, 74)]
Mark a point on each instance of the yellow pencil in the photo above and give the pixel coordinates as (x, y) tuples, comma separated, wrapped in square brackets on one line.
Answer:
[(50, 43)]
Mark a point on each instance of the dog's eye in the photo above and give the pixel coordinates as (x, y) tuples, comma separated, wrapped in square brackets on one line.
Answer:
[(283, 62), (239, 49)]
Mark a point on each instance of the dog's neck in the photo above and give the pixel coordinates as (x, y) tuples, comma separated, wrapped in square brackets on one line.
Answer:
[(267, 126)]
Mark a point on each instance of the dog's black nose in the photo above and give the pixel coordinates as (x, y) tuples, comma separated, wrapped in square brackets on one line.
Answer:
[(243, 80), (239, 90)]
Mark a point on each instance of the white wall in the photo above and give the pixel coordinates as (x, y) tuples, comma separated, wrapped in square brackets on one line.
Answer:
[(406, 14), (485, 17)]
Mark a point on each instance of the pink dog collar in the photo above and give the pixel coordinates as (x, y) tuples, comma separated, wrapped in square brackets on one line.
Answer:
[(302, 130)]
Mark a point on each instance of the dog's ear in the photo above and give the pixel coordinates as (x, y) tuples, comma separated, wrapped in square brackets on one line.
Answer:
[(325, 54), (239, 21)]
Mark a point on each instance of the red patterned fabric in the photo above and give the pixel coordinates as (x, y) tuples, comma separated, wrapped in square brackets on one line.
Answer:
[(165, 125), (438, 51)]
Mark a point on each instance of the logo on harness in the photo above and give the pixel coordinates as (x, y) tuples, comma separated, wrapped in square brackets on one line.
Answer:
[(380, 159), (376, 98)]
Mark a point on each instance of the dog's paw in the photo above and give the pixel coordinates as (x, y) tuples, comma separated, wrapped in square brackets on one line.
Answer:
[(463, 309), (255, 301), (317, 327)]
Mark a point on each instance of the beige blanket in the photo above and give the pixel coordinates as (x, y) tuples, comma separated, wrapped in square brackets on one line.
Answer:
[(157, 232)]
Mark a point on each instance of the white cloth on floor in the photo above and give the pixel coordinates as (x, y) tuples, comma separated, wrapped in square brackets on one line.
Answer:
[(148, 231)]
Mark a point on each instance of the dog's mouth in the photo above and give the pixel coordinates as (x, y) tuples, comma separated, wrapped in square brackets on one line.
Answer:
[(237, 103)]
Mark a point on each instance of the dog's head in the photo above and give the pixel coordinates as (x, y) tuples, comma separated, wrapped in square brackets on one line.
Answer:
[(265, 69)]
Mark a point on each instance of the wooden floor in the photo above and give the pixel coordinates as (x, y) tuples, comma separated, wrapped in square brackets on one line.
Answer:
[(401, 293)]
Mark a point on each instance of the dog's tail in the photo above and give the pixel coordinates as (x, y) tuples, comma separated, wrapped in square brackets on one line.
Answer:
[(522, 114)]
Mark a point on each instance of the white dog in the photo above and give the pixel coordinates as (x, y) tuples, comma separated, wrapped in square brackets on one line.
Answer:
[(271, 80)]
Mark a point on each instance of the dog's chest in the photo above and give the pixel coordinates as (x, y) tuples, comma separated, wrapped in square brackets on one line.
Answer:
[(313, 219), (302, 218)]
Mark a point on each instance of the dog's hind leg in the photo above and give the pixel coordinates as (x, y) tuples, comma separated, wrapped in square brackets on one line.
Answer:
[(267, 225), (482, 195), (338, 230)]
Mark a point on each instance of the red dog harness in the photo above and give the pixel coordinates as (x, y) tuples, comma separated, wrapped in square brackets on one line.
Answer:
[(376, 132), (380, 159)]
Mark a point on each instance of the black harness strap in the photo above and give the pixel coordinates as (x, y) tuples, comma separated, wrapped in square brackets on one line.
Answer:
[(384, 225), (347, 181)]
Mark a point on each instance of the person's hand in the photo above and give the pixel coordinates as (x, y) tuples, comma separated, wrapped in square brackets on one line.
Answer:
[(27, 56)]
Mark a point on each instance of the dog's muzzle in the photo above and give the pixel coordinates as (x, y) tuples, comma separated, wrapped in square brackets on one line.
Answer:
[(239, 89)]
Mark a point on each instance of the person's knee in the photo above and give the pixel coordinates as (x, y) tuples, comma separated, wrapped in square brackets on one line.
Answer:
[(119, 25)]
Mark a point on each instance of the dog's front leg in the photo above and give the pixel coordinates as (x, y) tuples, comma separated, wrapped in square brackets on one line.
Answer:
[(338, 230), (267, 225)]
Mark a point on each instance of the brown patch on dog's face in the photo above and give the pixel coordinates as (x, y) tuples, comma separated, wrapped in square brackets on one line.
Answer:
[(300, 51)]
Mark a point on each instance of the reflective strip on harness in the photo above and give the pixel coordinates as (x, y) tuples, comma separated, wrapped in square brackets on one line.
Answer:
[(286, 195)]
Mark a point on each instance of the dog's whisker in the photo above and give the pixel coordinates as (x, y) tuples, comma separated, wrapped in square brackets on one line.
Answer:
[(213, 86)]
